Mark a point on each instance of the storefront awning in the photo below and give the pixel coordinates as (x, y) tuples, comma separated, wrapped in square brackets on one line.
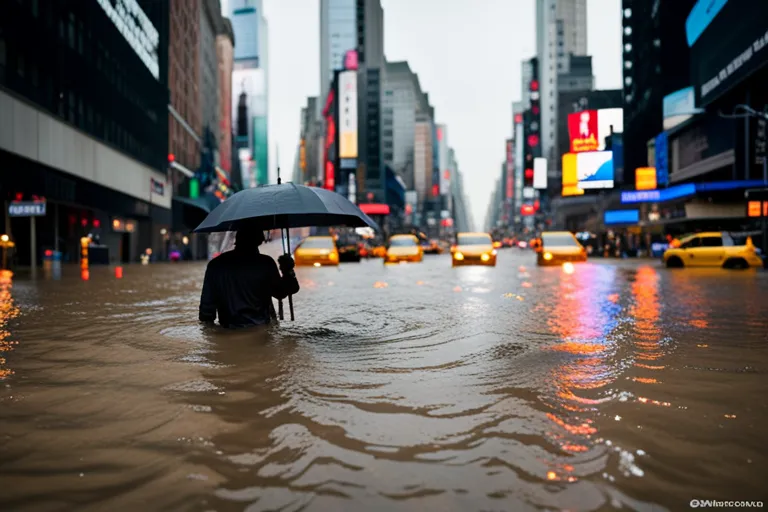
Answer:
[(188, 213), (684, 190), (374, 208)]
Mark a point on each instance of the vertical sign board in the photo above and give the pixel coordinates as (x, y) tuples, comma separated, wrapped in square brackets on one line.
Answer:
[(510, 177), (662, 159), (540, 173), (348, 114)]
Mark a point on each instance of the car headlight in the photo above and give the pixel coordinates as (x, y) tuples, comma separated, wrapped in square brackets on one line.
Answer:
[(494, 252), (458, 256), (485, 257), (547, 256), (333, 256)]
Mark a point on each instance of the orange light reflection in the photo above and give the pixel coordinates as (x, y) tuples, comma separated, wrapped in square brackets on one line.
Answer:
[(8, 311)]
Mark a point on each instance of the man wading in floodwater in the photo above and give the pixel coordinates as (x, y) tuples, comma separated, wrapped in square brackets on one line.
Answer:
[(239, 284)]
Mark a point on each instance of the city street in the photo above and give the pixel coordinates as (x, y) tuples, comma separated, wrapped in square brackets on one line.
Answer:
[(409, 387)]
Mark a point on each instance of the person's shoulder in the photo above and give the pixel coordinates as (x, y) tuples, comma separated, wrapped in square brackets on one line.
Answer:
[(266, 259), (222, 259)]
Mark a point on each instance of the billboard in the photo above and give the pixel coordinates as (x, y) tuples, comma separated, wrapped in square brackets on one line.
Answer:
[(621, 217), (570, 176), (661, 157), (348, 114), (595, 169), (588, 129), (510, 170), (260, 146), (582, 129), (722, 55), (540, 173), (645, 178)]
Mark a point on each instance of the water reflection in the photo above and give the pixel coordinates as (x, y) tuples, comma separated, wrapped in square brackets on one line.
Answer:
[(8, 311), (582, 318)]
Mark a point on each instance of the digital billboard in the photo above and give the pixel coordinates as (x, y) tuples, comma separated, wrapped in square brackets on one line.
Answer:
[(510, 170), (245, 25), (645, 178), (540, 173), (570, 176), (348, 114), (582, 128), (588, 129), (595, 169), (728, 44), (621, 217)]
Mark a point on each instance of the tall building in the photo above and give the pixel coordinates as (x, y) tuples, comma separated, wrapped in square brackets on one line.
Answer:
[(84, 126), (403, 100), (210, 20), (225, 54), (250, 81), (656, 57), (338, 35), (561, 31), (185, 113), (371, 174)]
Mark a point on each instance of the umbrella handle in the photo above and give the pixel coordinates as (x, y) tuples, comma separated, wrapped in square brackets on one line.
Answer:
[(280, 309)]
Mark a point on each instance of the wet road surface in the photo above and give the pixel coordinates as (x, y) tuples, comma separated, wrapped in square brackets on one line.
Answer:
[(409, 387)]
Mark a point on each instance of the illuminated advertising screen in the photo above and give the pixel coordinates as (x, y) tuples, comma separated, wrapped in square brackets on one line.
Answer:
[(348, 114), (595, 169), (510, 175), (589, 129), (621, 217), (570, 176), (645, 178), (753, 209), (582, 129), (540, 173)]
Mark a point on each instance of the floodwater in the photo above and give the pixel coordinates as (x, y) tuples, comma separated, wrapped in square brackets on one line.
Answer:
[(409, 387)]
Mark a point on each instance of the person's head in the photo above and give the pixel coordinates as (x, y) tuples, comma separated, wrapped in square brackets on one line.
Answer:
[(248, 238)]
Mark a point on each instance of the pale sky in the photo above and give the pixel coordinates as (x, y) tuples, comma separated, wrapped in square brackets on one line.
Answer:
[(467, 54)]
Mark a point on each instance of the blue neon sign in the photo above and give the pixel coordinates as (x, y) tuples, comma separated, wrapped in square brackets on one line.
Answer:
[(687, 189), (621, 217)]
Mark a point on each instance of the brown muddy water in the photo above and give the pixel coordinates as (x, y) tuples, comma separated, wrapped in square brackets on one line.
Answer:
[(411, 387)]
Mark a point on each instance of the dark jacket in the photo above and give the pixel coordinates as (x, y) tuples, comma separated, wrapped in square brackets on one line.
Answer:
[(239, 286)]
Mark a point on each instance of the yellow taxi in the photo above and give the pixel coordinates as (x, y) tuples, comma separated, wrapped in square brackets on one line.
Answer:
[(316, 251), (473, 249), (714, 249), (404, 248), (558, 247)]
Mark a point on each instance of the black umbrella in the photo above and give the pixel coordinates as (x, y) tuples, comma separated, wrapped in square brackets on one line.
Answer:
[(284, 206)]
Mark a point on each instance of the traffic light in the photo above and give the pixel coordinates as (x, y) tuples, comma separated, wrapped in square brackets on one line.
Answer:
[(532, 126)]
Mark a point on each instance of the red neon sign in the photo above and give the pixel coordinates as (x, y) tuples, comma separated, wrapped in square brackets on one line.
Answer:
[(519, 118), (529, 174), (534, 85), (527, 210), (435, 190), (330, 176), (533, 140)]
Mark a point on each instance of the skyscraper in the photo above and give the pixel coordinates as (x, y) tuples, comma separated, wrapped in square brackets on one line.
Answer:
[(338, 35), (250, 77), (561, 31)]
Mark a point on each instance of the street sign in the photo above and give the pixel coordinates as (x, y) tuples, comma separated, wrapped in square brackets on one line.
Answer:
[(26, 209)]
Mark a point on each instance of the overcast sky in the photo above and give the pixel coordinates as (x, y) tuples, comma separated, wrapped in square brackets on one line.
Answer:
[(467, 54)]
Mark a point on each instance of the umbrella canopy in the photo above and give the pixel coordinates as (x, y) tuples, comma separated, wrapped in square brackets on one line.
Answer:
[(284, 206)]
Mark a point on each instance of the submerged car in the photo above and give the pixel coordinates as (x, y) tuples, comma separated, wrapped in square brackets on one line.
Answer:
[(713, 249), (473, 249), (316, 251), (404, 248), (558, 247)]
